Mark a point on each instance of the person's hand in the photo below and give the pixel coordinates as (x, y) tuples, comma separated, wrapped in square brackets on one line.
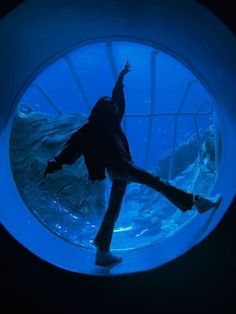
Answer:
[(126, 69), (52, 166)]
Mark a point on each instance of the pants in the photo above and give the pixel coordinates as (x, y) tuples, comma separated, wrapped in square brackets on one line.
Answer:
[(97, 196), (123, 172)]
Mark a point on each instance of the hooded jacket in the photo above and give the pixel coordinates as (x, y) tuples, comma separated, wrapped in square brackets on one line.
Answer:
[(100, 140)]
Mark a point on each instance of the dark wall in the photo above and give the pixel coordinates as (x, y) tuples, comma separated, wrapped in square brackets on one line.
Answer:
[(224, 10), (201, 281), (7, 6)]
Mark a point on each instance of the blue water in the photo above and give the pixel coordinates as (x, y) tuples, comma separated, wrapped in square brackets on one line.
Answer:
[(145, 216)]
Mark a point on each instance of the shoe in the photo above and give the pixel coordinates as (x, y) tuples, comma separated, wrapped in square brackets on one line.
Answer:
[(105, 258), (204, 204)]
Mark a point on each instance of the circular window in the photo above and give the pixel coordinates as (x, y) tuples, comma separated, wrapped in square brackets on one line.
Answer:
[(170, 122)]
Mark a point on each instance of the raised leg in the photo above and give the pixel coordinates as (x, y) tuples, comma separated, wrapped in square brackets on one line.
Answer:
[(125, 170)]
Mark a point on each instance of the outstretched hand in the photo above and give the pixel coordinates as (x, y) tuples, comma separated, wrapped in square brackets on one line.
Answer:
[(127, 68)]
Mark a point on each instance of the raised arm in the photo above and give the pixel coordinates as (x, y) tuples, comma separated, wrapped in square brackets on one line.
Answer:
[(118, 92), (70, 152)]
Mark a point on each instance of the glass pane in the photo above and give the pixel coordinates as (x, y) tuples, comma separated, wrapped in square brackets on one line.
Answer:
[(197, 100), (137, 133), (57, 81), (171, 81), (37, 102), (161, 140), (94, 70)]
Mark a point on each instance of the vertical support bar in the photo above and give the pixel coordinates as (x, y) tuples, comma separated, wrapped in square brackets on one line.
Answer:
[(153, 102), (195, 120), (218, 141), (173, 147), (77, 80), (186, 92), (49, 99), (111, 59), (196, 125), (195, 117)]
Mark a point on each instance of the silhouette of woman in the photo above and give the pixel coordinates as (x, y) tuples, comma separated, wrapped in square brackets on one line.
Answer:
[(105, 147)]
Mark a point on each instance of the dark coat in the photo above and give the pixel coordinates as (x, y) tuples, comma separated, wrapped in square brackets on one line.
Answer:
[(100, 140)]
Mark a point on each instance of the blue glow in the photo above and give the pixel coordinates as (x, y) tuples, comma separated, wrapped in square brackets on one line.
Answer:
[(167, 128)]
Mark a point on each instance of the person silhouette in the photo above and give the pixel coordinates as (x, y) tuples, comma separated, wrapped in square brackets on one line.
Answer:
[(105, 147)]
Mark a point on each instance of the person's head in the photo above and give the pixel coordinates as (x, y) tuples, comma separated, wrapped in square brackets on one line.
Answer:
[(104, 112)]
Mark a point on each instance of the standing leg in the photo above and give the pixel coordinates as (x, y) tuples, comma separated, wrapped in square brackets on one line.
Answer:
[(97, 197), (104, 235)]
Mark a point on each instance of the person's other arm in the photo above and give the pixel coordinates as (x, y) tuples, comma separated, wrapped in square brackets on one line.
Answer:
[(71, 152), (118, 92)]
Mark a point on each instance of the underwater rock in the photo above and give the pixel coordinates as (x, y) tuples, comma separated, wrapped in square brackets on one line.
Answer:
[(35, 139), (186, 154)]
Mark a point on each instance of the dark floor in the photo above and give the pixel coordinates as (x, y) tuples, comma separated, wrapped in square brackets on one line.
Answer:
[(201, 281)]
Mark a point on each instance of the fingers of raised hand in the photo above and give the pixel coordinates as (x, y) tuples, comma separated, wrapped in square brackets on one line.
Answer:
[(128, 65)]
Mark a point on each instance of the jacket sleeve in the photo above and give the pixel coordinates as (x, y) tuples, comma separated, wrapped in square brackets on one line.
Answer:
[(72, 149), (118, 96)]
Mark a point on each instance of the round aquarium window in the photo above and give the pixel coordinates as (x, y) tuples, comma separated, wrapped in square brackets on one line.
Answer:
[(177, 128), (170, 123)]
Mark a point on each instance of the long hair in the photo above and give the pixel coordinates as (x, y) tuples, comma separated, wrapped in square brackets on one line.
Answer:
[(104, 112)]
